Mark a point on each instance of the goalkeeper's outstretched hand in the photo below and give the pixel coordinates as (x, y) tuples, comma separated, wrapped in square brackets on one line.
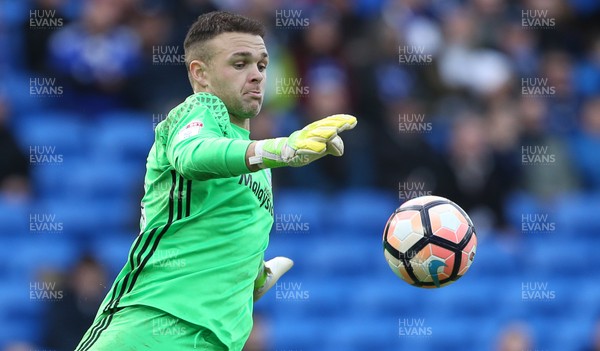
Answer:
[(304, 146), (269, 273)]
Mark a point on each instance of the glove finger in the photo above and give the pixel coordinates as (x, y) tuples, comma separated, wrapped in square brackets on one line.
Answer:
[(310, 152), (321, 133), (335, 146), (346, 122), (340, 122), (310, 144)]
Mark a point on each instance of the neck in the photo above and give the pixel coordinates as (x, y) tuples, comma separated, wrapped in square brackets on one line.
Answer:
[(240, 122)]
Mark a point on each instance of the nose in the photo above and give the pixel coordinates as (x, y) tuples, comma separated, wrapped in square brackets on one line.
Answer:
[(256, 76)]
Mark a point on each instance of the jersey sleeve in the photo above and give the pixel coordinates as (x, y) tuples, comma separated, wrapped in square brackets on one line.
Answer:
[(198, 143)]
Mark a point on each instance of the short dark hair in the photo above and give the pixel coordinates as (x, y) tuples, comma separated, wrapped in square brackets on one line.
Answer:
[(211, 24)]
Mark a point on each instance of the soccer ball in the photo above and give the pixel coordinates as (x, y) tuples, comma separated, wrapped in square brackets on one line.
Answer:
[(429, 242)]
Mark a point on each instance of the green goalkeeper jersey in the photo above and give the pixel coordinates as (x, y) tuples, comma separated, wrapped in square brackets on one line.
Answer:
[(204, 226)]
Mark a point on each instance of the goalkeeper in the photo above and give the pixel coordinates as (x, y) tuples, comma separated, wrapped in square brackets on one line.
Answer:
[(197, 265)]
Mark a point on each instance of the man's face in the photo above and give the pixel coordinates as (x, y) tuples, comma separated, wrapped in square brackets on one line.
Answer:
[(236, 72)]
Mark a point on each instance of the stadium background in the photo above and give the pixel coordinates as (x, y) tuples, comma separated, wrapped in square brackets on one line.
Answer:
[(494, 104)]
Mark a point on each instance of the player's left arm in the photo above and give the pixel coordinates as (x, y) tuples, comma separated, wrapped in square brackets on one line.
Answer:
[(302, 147)]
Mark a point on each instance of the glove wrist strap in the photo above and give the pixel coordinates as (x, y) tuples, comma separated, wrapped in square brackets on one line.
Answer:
[(267, 153), (257, 159)]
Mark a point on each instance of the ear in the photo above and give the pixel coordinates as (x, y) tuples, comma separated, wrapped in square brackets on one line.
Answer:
[(199, 73)]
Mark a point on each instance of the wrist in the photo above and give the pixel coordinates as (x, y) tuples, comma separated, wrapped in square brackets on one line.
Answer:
[(268, 153), (251, 157)]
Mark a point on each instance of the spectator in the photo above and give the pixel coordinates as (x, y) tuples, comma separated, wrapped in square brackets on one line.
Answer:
[(547, 170), (37, 38), (405, 160), (161, 60), (259, 337), (520, 46), (594, 344), (464, 64), (19, 346), (477, 181), (588, 71), (14, 164), (586, 143), (67, 320), (515, 337), (96, 56), (329, 95), (556, 77)]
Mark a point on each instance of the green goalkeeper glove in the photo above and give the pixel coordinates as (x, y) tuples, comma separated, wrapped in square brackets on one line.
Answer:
[(269, 273), (304, 146)]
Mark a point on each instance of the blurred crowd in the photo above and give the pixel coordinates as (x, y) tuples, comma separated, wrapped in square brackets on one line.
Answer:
[(474, 100), (451, 96)]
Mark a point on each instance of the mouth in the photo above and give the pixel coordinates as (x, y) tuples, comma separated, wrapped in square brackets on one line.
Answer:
[(255, 94)]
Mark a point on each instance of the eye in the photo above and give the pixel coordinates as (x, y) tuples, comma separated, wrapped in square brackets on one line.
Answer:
[(239, 65), (262, 67)]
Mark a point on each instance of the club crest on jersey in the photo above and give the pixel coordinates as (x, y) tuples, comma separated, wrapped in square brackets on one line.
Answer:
[(190, 130)]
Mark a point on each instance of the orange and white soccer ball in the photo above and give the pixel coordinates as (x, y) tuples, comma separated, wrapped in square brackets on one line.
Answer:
[(429, 242)]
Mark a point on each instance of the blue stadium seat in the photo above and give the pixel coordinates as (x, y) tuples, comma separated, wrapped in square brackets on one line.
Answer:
[(87, 218), (112, 250), (362, 210), (52, 138), (14, 12), (471, 297), (452, 332), (361, 334), (123, 136), (585, 295), (577, 215), (306, 297), (519, 204), (20, 309), (14, 289), (53, 180), (559, 255), (35, 252), (294, 246), (298, 334), (86, 178), (14, 216), (485, 331), (576, 331), (97, 180), (495, 258), (343, 256), (15, 86), (385, 295), (305, 208)]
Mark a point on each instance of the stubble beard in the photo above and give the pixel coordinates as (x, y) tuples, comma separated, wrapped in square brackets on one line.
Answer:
[(246, 110)]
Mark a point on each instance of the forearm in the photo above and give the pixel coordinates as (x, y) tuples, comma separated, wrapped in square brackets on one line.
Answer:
[(214, 158), (251, 153)]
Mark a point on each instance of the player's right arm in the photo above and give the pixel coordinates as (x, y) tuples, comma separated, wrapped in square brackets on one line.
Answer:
[(197, 143), (198, 148)]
